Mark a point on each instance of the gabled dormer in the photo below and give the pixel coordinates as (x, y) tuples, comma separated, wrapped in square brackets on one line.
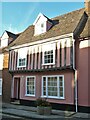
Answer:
[(42, 24), (4, 39), (7, 37)]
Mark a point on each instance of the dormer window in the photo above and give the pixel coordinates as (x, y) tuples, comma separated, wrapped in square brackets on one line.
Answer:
[(42, 27), (41, 24)]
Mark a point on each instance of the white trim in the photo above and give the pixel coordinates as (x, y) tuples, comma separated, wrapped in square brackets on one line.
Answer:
[(84, 44), (51, 46), (53, 39), (34, 86), (39, 15), (57, 97), (23, 65), (20, 51), (0, 86), (27, 95), (48, 63)]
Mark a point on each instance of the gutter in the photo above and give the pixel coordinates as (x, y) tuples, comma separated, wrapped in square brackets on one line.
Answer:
[(75, 78)]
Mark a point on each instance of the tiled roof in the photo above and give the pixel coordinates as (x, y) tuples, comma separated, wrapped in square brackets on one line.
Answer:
[(63, 24), (12, 36)]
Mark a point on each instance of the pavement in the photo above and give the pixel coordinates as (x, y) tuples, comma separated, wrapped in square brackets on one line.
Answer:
[(31, 113)]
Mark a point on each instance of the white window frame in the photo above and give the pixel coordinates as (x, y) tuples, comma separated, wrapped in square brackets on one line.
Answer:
[(21, 58), (1, 86), (22, 65), (45, 49), (58, 88), (34, 86)]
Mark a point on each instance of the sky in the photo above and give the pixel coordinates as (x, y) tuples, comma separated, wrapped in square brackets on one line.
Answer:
[(17, 16)]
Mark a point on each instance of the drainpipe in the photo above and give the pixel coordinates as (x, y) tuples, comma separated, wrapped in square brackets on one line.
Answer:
[(76, 96), (75, 77)]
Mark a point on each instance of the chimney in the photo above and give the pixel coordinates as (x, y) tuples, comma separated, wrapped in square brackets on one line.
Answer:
[(87, 7)]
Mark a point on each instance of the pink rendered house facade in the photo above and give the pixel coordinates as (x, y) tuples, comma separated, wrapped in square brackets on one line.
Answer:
[(50, 59)]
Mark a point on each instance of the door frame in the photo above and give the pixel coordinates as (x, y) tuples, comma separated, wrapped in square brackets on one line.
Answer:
[(17, 88)]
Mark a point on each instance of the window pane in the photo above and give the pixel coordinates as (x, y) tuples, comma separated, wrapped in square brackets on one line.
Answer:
[(52, 86), (48, 56), (61, 86), (44, 85), (22, 62)]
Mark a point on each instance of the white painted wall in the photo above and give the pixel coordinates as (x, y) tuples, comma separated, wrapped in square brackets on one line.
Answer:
[(4, 39), (1, 61), (41, 19)]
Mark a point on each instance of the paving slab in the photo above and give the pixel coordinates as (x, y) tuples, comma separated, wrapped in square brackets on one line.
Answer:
[(31, 112), (82, 115)]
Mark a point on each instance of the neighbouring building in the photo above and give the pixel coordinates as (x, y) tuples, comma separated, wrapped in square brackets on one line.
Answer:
[(50, 59), (1, 66), (5, 77)]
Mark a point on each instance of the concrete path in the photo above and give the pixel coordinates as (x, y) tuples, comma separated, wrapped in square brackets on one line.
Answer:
[(31, 112)]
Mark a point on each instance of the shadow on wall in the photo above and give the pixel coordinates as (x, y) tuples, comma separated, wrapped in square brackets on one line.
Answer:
[(6, 85)]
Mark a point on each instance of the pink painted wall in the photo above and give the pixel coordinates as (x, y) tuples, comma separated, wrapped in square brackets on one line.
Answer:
[(68, 56), (83, 77), (69, 86)]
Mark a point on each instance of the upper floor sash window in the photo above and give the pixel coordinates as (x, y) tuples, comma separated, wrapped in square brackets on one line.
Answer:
[(22, 57), (48, 54)]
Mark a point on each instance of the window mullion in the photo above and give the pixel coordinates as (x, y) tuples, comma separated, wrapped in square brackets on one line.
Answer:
[(58, 87), (46, 86), (53, 55), (63, 86)]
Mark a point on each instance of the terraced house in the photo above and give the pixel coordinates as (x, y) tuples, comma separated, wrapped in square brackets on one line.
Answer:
[(50, 60), (5, 77)]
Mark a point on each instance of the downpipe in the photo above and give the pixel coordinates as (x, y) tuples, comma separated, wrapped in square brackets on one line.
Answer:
[(75, 78)]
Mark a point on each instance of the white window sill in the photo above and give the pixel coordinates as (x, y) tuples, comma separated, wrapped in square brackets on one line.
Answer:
[(20, 66), (48, 64), (28, 95), (61, 98)]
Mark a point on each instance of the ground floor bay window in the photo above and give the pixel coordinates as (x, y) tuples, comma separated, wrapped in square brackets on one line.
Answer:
[(53, 86)]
